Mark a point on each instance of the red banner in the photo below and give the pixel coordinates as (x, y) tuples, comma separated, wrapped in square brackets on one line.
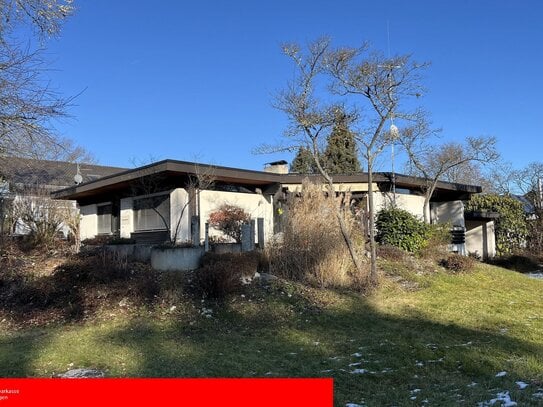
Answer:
[(167, 392)]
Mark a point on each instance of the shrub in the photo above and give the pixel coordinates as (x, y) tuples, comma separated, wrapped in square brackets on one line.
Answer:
[(101, 240), (42, 217), (221, 274), (312, 248), (458, 263), (517, 262), (399, 228), (120, 240), (228, 219), (438, 238), (510, 228), (388, 252)]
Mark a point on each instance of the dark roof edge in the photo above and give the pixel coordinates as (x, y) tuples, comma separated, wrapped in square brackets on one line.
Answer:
[(231, 172), (481, 215)]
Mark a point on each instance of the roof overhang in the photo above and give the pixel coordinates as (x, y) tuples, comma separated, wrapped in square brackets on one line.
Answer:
[(170, 169), (481, 215), (173, 172)]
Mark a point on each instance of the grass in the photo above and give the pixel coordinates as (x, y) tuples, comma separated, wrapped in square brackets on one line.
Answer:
[(439, 340)]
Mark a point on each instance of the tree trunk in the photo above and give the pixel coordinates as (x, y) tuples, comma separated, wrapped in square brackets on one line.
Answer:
[(374, 277), (344, 231), (426, 208)]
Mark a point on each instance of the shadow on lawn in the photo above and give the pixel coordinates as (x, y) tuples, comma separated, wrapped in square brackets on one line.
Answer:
[(280, 336), (399, 354), (289, 337)]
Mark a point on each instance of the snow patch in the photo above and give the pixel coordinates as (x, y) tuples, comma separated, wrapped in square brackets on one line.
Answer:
[(359, 371), (357, 355), (503, 397), (501, 374), (522, 385)]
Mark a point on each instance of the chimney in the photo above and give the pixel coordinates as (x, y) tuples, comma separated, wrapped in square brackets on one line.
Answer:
[(277, 167)]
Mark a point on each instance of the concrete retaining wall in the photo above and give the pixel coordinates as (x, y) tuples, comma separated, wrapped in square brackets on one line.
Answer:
[(170, 258), (176, 258)]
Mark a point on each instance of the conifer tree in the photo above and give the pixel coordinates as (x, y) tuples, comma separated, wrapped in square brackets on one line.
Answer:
[(341, 154), (303, 163)]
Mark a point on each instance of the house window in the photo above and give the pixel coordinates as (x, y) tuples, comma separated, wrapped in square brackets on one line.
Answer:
[(152, 213), (104, 213)]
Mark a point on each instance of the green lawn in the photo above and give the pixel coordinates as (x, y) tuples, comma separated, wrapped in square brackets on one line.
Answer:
[(440, 343)]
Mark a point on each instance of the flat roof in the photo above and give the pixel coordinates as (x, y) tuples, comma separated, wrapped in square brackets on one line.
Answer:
[(237, 176)]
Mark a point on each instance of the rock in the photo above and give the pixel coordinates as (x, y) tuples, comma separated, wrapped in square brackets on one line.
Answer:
[(82, 374)]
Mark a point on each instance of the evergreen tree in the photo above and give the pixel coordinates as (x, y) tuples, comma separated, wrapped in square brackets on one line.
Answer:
[(341, 154), (303, 163)]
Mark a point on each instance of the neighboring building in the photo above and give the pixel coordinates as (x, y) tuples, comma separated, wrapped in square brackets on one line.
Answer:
[(24, 174), (155, 202), (23, 178)]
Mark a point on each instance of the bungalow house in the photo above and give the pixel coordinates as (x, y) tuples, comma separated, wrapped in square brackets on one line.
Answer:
[(171, 200)]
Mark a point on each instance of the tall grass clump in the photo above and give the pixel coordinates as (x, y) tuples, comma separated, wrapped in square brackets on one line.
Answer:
[(312, 248)]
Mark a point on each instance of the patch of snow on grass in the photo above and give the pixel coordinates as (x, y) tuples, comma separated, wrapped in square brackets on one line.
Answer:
[(503, 397), (359, 371), (501, 374), (357, 355), (522, 385)]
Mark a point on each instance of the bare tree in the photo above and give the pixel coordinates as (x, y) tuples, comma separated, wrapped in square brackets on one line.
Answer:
[(43, 218), (311, 119), (446, 162), (28, 104), (45, 17), (328, 80), (377, 86)]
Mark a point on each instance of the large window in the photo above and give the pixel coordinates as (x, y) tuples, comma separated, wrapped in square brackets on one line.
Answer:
[(152, 213), (105, 218)]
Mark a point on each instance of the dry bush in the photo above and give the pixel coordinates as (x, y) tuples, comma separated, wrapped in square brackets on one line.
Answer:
[(42, 217), (388, 252), (457, 263), (221, 274), (313, 249)]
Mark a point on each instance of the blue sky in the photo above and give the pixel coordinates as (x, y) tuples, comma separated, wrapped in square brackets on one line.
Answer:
[(194, 80)]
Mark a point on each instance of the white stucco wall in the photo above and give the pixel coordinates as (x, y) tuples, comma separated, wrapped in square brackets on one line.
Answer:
[(443, 212), (88, 227), (126, 218), (179, 215), (258, 206), (414, 204), (477, 241)]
